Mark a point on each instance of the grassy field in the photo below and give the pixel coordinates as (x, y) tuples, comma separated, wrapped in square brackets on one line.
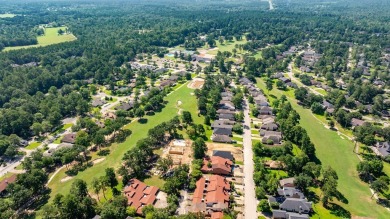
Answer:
[(226, 46), (140, 131), (7, 15), (336, 152), (51, 37)]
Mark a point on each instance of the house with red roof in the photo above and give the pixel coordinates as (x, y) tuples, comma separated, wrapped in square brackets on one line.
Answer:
[(4, 184), (211, 196), (139, 195), (217, 165)]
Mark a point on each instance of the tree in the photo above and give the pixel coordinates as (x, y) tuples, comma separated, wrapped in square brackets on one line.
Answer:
[(263, 206), (111, 178), (99, 140), (380, 185), (303, 182), (237, 128), (115, 209), (37, 129), (139, 113), (199, 147), (268, 84), (317, 108), (96, 186), (331, 124), (186, 117), (164, 164)]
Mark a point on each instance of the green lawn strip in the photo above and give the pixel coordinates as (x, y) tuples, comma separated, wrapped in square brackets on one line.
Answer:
[(337, 152), (8, 174), (155, 181), (33, 145), (140, 131), (51, 37), (226, 46)]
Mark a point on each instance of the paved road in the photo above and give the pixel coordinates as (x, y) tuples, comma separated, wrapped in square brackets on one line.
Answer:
[(250, 195), (298, 82)]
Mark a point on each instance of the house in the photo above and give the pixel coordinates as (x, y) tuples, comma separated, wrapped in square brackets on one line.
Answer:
[(52, 150), (223, 154), (222, 124), (173, 78), (280, 214), (167, 83), (227, 116), (290, 192), (292, 85), (109, 115), (226, 105), (217, 215), (274, 164), (271, 137), (285, 80), (287, 182), (265, 110), (270, 127), (4, 184), (226, 94), (125, 106), (382, 149), (98, 102), (223, 131), (217, 165), (221, 138), (357, 122), (305, 69), (223, 111), (211, 195), (277, 75), (69, 138), (296, 205), (139, 195)]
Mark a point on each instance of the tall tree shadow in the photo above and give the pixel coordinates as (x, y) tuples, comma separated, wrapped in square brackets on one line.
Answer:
[(337, 210)]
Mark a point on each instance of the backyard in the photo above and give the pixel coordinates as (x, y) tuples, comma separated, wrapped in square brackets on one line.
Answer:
[(335, 151)]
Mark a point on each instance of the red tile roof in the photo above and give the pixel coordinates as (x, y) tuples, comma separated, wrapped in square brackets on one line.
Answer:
[(214, 191), (217, 215), (138, 194), (219, 165), (4, 183)]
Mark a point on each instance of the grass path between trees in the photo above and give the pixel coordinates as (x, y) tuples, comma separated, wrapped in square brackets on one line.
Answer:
[(334, 151)]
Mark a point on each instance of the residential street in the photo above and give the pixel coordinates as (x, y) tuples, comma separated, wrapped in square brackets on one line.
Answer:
[(250, 195)]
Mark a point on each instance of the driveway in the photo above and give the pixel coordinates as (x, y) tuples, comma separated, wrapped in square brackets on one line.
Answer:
[(249, 187)]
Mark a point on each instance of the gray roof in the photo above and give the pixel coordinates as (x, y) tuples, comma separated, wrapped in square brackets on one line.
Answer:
[(288, 215), (291, 192), (221, 138), (284, 182), (270, 126), (223, 154), (222, 131), (125, 106), (98, 102), (383, 148), (296, 205), (226, 116)]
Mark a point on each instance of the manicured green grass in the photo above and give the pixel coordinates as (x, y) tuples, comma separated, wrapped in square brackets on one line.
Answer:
[(7, 15), (114, 159), (51, 37), (336, 152), (226, 46), (155, 181), (33, 145)]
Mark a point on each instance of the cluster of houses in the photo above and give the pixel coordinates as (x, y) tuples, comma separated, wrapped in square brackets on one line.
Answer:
[(291, 201), (139, 195), (310, 57), (269, 128), (381, 149), (223, 126), (67, 141), (212, 194), (287, 81)]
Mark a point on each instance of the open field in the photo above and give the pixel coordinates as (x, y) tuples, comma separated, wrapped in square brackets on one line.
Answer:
[(51, 37), (188, 102), (226, 46), (336, 152), (7, 15)]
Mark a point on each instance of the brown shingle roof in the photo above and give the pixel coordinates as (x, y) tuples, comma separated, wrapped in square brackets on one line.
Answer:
[(69, 138)]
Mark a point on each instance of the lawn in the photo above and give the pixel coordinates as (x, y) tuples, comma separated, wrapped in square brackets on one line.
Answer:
[(336, 152), (155, 181), (51, 37), (7, 15), (139, 131), (8, 174), (33, 145), (226, 46)]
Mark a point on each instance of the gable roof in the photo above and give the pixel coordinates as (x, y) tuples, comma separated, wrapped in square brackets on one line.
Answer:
[(138, 194), (223, 154), (222, 131), (287, 182), (219, 165), (98, 102), (296, 205), (69, 138), (221, 138), (5, 182)]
